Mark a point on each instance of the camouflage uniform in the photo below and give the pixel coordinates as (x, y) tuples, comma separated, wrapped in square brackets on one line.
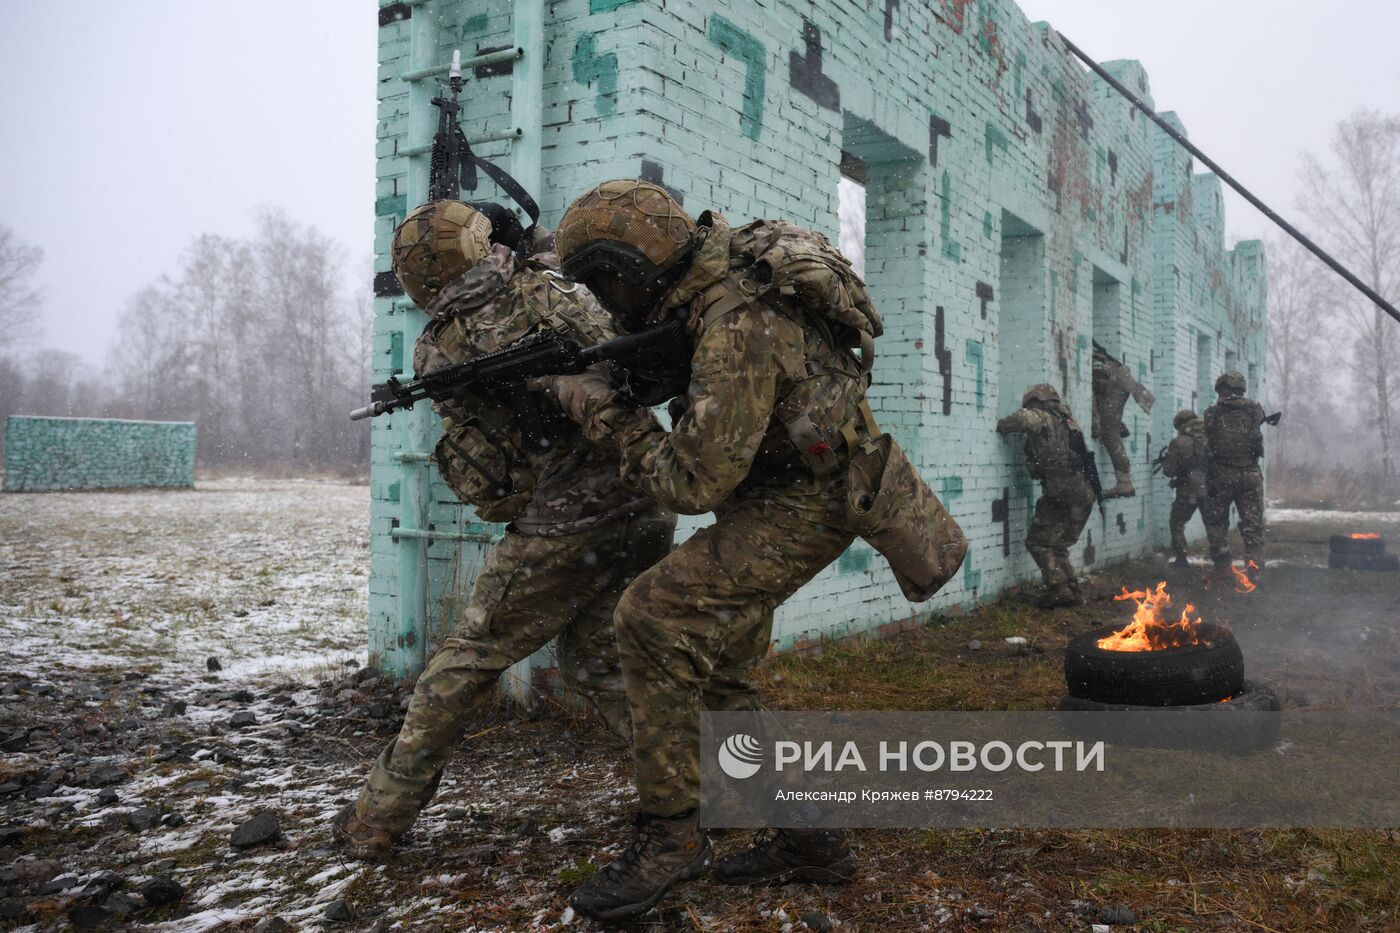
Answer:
[(1113, 384), (1235, 442), (1185, 463), (1066, 498), (577, 536), (692, 627)]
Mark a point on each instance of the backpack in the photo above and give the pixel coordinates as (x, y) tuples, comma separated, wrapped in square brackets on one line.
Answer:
[(1232, 432)]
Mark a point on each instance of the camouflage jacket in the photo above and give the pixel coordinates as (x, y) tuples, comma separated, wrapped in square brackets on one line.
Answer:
[(1048, 452), (568, 486), (769, 366), (1185, 461), (1113, 383), (1234, 433)]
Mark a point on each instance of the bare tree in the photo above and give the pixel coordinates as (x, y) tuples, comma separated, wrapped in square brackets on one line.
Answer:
[(1301, 342), (18, 294), (1355, 203)]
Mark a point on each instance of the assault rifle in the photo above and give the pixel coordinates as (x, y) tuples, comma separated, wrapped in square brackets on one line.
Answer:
[(1273, 420), (647, 362)]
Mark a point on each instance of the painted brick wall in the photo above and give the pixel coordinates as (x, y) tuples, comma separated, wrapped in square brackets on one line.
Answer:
[(1016, 210), (44, 454)]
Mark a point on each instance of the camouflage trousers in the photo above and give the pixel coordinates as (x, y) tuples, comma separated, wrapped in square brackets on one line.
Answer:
[(1061, 513), (1183, 507), (691, 629), (530, 589), (1111, 437), (1242, 487)]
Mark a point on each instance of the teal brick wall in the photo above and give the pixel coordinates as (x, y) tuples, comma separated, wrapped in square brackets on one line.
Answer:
[(44, 454), (1016, 210)]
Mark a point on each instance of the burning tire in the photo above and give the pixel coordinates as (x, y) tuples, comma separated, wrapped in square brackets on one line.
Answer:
[(1195, 674)]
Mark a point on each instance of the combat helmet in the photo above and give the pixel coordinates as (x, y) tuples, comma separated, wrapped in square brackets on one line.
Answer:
[(1183, 418), (627, 240), (437, 243), (1231, 383), (1043, 392)]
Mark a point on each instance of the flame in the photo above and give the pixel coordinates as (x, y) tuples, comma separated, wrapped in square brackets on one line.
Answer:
[(1152, 629), (1364, 536), (1242, 582)]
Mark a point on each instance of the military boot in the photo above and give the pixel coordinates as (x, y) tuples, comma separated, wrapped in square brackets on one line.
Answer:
[(780, 856), (1061, 594), (664, 853), (359, 839), (1181, 560), (1123, 489)]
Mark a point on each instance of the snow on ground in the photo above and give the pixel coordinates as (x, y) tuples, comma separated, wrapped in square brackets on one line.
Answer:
[(264, 575), (1361, 521)]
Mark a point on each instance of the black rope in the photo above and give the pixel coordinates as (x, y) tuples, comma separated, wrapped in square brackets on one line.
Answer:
[(1225, 176)]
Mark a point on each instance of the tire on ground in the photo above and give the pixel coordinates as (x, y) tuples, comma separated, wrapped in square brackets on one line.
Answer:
[(1171, 677)]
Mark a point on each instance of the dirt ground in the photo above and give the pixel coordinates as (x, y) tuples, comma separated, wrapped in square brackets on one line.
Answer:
[(128, 766)]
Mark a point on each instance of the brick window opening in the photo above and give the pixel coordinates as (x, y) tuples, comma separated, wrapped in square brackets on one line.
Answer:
[(1022, 318), (851, 210), (1108, 312)]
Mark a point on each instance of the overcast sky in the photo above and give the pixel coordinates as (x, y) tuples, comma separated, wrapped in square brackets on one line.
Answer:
[(129, 128)]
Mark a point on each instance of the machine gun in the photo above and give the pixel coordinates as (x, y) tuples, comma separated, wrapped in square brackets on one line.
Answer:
[(453, 165), (652, 366)]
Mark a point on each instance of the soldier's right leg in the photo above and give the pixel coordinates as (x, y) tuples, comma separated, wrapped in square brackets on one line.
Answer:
[(1041, 541), (527, 590), (1215, 513)]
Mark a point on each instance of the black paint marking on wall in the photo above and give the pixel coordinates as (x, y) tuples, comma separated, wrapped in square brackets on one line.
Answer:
[(1152, 361), (386, 285), (985, 294), (654, 173), (945, 360), (1089, 552), (1122, 525), (890, 6), (937, 126), (805, 71), (1147, 449), (1001, 512), (394, 13), (1033, 118), (1062, 361), (1052, 182), (1113, 166), (1123, 256), (499, 68), (1084, 119)]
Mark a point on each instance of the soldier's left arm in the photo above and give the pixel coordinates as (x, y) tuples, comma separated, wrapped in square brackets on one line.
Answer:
[(1020, 421), (733, 389)]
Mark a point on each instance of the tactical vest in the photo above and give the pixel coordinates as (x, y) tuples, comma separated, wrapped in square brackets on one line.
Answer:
[(1051, 453), (1233, 434), (799, 274), (481, 454)]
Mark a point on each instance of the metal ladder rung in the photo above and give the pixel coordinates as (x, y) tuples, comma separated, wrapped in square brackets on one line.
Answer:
[(500, 135), (512, 54)]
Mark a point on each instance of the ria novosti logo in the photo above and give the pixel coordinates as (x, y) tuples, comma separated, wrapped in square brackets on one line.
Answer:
[(740, 756)]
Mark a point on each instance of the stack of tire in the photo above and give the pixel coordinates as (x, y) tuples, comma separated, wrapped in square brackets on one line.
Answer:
[(1348, 553)]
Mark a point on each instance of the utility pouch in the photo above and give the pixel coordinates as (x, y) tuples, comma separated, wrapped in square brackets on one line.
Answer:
[(892, 508)]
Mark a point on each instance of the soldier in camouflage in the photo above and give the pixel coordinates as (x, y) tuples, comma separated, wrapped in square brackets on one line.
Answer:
[(1113, 384), (1066, 498), (776, 402), (577, 536), (1185, 462), (1236, 443)]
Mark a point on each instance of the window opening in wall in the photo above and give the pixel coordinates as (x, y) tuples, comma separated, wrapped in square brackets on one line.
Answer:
[(851, 191), (1022, 326), (1108, 312), (1204, 395)]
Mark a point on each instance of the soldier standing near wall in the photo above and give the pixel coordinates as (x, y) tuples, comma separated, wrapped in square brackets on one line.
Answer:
[(1185, 462), (1113, 383), (577, 536), (1055, 456), (1235, 439), (774, 415)]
